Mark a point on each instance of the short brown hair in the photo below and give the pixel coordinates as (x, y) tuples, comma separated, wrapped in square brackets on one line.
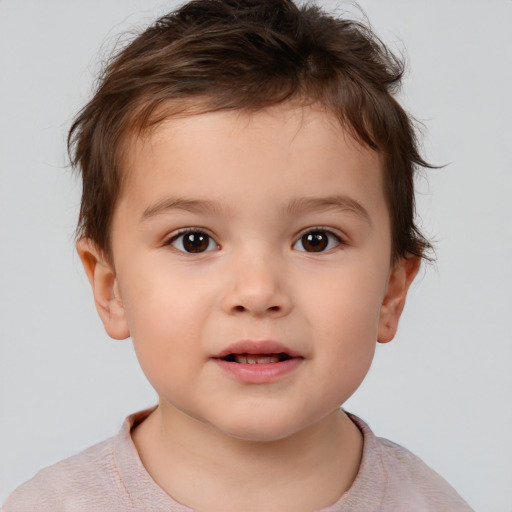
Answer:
[(248, 55)]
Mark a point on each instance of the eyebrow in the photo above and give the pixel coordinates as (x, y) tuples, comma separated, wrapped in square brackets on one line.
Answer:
[(294, 207), (179, 203), (337, 202)]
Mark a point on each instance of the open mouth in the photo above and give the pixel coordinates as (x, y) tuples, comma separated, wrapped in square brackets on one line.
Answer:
[(258, 361), (256, 358)]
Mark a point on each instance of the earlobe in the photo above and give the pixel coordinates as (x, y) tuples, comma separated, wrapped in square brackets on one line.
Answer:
[(102, 277), (400, 279)]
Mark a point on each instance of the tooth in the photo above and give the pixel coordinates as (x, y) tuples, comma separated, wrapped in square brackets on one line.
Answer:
[(256, 359)]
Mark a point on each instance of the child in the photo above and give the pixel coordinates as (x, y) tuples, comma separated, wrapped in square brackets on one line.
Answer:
[(247, 219)]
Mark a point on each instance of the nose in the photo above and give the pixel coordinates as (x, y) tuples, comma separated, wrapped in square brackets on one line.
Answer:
[(256, 286)]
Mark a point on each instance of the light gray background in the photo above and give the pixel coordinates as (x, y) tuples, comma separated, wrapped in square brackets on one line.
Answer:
[(442, 388)]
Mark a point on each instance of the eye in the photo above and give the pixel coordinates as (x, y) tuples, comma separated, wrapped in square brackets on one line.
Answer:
[(317, 240), (193, 241)]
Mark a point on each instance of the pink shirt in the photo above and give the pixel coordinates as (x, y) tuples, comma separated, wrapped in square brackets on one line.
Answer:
[(110, 477)]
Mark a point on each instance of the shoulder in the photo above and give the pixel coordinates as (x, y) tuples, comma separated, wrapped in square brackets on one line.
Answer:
[(425, 486), (109, 476), (71, 484), (407, 482)]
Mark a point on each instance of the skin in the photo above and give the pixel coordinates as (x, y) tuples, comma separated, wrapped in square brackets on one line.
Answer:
[(251, 446)]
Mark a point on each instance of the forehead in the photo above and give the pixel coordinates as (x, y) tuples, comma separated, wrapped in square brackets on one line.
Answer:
[(278, 153)]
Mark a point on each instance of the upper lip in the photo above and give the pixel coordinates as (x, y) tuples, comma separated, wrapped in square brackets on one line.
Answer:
[(256, 347)]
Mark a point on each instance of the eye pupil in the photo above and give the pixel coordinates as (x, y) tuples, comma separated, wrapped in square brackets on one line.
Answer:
[(195, 242), (315, 242)]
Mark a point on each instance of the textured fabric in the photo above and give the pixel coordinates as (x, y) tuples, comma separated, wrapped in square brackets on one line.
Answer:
[(110, 477)]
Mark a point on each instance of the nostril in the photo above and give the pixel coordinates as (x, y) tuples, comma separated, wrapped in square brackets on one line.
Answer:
[(241, 308)]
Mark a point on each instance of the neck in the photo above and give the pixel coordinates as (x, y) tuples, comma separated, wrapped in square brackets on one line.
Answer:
[(306, 471)]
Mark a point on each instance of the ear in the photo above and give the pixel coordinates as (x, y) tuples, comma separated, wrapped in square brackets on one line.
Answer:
[(400, 278), (102, 276)]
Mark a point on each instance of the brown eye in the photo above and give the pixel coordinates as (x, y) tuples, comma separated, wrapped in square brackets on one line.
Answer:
[(194, 242), (317, 241)]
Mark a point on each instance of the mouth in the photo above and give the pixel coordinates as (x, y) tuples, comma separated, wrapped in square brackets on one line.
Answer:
[(256, 358), (258, 362), (257, 352)]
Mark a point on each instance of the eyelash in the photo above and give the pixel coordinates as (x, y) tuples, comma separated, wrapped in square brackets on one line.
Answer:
[(318, 230), (185, 231)]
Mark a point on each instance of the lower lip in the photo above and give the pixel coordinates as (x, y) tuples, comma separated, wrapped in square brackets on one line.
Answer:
[(262, 373)]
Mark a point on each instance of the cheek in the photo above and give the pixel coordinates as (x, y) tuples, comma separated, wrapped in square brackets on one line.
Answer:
[(345, 324), (168, 351), (347, 307), (346, 356), (158, 297), (165, 325)]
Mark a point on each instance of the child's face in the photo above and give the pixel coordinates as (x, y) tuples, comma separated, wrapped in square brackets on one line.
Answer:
[(287, 250)]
